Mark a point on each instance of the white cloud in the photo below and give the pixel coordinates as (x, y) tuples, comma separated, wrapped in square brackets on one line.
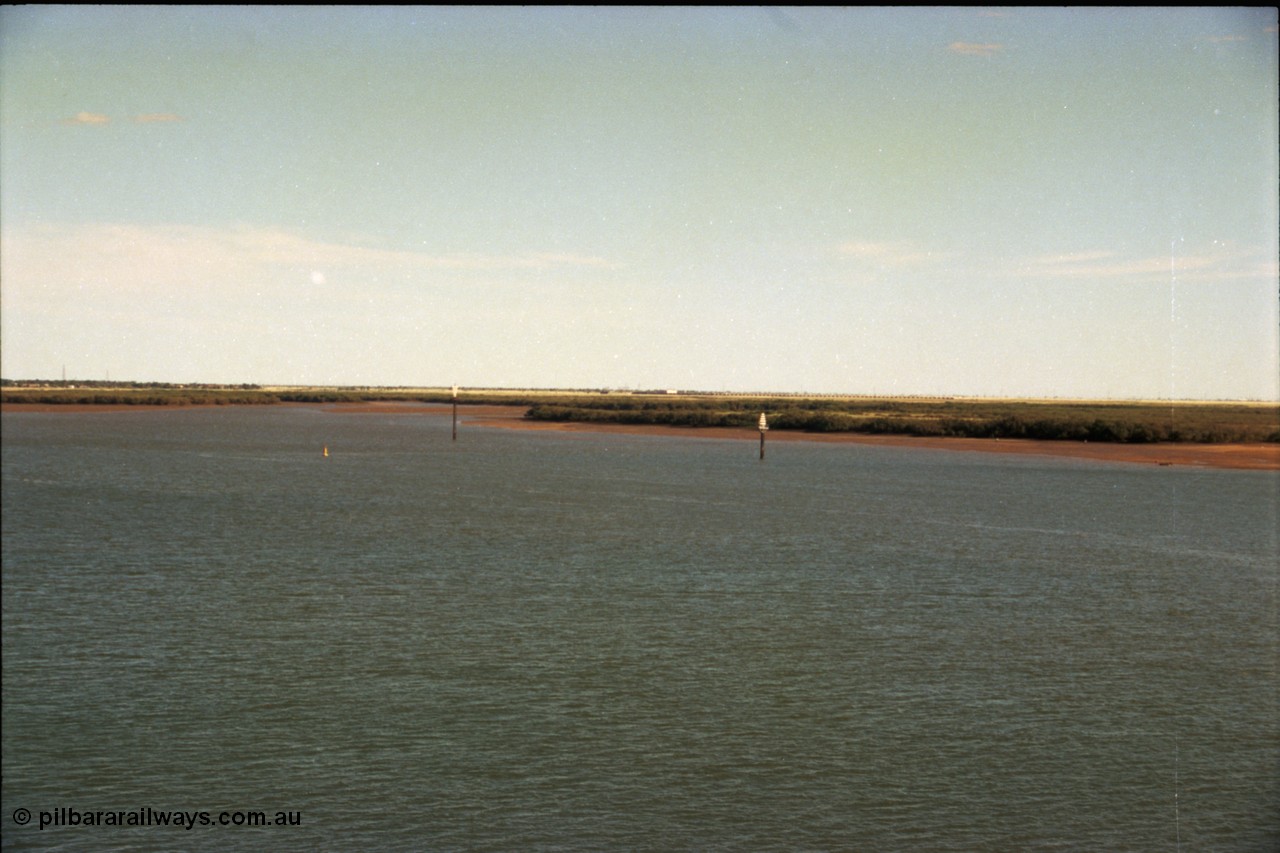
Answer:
[(891, 254), (88, 118), (282, 247), (1217, 262), (970, 49), (142, 258), (1070, 258), (257, 303)]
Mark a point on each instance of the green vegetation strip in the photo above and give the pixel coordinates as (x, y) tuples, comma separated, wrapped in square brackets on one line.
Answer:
[(159, 394), (1059, 421), (1052, 420)]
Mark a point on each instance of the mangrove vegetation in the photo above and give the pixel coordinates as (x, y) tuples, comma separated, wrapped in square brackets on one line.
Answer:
[(967, 418)]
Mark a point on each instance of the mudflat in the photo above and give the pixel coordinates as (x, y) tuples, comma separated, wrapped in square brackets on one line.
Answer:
[(1238, 456)]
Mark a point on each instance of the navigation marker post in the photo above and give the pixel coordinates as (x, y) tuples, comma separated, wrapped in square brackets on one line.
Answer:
[(764, 427), (455, 412)]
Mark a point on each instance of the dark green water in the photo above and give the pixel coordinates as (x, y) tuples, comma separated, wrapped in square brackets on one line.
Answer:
[(535, 641)]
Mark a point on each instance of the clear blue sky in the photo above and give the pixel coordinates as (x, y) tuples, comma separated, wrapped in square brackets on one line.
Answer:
[(1019, 202)]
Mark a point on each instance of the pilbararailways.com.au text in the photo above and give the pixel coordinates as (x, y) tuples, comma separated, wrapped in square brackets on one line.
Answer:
[(68, 817)]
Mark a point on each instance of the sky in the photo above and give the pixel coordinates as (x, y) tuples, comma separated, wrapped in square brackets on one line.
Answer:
[(1012, 202)]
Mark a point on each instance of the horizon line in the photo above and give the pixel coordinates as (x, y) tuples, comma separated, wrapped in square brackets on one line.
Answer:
[(616, 390)]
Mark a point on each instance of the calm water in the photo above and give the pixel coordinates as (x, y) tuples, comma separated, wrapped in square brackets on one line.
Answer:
[(534, 641)]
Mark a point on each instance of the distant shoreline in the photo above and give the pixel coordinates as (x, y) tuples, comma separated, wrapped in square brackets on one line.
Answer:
[(1252, 456), (1257, 457)]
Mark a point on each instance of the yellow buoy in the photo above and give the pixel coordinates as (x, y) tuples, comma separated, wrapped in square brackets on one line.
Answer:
[(326, 451)]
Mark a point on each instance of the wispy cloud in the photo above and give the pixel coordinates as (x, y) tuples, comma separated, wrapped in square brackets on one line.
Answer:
[(887, 255), (1215, 262), (1221, 39), (1070, 258), (87, 118), (1096, 265), (282, 247), (965, 48), (157, 259), (1218, 262)]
